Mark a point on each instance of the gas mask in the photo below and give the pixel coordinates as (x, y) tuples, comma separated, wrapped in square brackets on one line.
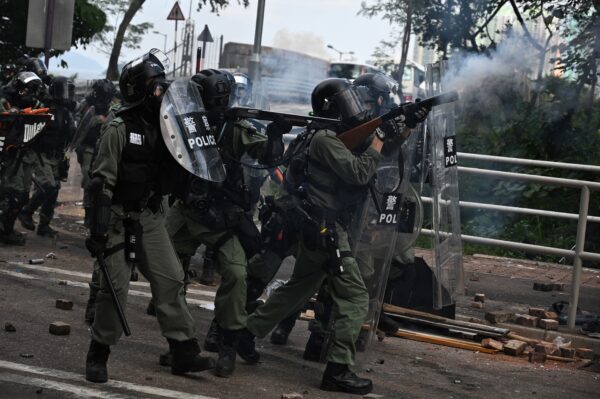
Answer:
[(156, 90)]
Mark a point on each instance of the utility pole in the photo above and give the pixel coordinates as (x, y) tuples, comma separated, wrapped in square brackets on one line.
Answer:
[(254, 64)]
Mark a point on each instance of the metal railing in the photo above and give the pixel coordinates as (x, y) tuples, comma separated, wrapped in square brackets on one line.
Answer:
[(577, 253)]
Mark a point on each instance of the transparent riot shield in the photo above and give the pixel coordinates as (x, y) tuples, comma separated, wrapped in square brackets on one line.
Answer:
[(440, 180), (83, 128), (388, 223), (187, 132)]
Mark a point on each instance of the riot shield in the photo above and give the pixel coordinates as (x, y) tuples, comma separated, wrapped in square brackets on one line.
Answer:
[(83, 128), (19, 130), (187, 132), (440, 180)]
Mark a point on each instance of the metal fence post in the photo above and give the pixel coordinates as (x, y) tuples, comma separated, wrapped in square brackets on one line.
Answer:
[(584, 202)]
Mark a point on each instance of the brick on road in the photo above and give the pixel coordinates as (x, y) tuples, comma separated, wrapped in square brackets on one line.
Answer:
[(64, 304), (60, 328), (526, 320), (514, 347), (545, 287), (548, 324), (537, 312), (537, 357), (498, 317), (492, 344), (569, 353), (585, 353)]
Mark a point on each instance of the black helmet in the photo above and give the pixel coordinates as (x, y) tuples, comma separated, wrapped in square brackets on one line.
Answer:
[(103, 90), (34, 65), (136, 75), (381, 87), (62, 89), (338, 98), (28, 83), (215, 87)]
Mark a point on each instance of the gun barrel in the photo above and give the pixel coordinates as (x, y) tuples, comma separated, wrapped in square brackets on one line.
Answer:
[(295, 120), (444, 98)]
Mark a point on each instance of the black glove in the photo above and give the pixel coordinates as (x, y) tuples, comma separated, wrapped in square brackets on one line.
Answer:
[(96, 244), (415, 113), (274, 148)]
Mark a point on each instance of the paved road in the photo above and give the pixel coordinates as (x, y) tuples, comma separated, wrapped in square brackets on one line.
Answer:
[(35, 364)]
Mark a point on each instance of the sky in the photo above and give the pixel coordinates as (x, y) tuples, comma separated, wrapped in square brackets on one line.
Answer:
[(296, 24)]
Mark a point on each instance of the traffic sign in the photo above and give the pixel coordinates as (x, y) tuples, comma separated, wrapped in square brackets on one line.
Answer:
[(176, 14), (205, 36)]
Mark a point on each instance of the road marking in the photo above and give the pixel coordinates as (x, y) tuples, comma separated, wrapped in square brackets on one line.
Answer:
[(80, 392), (88, 276), (208, 305), (66, 375)]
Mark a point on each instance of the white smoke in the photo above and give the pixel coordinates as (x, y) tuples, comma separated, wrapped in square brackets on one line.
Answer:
[(513, 61), (302, 42)]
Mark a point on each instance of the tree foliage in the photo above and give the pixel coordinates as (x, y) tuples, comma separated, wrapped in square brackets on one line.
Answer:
[(88, 21), (217, 5), (116, 9)]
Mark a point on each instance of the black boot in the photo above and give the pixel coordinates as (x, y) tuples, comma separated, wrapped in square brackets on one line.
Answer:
[(387, 324), (227, 353), (12, 238), (45, 230), (338, 378), (211, 342), (186, 357), (314, 347), (166, 359), (246, 347), (90, 308), (26, 220), (280, 335), (151, 309), (95, 363)]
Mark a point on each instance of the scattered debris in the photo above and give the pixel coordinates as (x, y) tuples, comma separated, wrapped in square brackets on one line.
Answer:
[(457, 381), (479, 298), (585, 353), (544, 287), (547, 348), (60, 328), (39, 391), (477, 305), (51, 255), (492, 344), (36, 261), (537, 357), (474, 277), (569, 353), (381, 361), (526, 320), (548, 324), (498, 317), (26, 355), (537, 312), (63, 246), (62, 282), (64, 304), (559, 286), (373, 396), (9, 327), (292, 395), (514, 347)]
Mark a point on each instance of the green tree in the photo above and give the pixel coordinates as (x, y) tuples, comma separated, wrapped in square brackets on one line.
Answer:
[(88, 21)]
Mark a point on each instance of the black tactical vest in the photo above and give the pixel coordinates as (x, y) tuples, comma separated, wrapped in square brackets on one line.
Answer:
[(140, 161), (54, 138)]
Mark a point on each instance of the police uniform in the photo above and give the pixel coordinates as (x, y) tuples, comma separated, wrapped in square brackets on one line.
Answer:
[(189, 227), (51, 149), (334, 174), (131, 157)]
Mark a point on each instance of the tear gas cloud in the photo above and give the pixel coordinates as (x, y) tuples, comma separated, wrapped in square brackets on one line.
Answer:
[(290, 77)]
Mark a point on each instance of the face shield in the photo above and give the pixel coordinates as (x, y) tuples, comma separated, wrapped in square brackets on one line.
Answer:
[(351, 105), (187, 133), (60, 90)]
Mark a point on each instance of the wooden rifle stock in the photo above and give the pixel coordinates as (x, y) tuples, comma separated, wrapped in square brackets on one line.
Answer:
[(357, 135)]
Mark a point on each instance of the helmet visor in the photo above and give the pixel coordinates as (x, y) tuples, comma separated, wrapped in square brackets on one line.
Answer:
[(352, 105), (187, 133)]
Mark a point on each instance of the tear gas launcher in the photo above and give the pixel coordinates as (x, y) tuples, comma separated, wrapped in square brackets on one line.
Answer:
[(356, 136)]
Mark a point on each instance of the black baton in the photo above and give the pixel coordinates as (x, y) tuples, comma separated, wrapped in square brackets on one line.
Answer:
[(113, 294)]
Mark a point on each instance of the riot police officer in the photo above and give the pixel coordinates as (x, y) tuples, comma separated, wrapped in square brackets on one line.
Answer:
[(93, 115), (18, 164), (131, 173), (336, 179), (217, 216), (51, 149)]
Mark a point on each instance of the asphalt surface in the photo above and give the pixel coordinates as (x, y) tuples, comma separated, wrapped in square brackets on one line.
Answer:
[(36, 364)]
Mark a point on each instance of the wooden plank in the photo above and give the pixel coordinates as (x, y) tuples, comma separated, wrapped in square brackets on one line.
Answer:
[(428, 316), (438, 340)]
